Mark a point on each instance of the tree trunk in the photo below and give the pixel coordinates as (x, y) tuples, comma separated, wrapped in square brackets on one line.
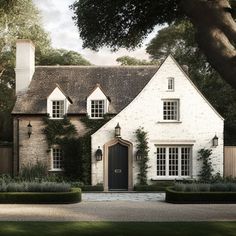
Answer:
[(215, 34)]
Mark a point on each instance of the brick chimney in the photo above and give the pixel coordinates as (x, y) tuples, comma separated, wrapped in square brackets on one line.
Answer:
[(25, 63)]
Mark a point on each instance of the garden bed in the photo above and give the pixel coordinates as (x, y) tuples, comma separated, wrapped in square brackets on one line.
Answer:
[(173, 196), (73, 196)]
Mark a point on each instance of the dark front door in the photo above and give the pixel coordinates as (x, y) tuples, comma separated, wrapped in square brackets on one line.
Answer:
[(118, 167)]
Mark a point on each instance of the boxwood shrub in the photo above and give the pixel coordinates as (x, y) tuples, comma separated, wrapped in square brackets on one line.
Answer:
[(158, 186), (73, 196), (173, 196)]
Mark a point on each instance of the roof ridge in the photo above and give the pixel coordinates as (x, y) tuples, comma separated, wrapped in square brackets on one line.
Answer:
[(96, 66)]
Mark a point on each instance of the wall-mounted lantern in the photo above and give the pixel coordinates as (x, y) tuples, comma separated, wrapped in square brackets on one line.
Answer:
[(215, 141), (117, 130), (29, 127), (98, 154), (139, 155)]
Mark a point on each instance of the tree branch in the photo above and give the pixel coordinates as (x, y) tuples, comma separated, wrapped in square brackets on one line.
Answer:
[(215, 34)]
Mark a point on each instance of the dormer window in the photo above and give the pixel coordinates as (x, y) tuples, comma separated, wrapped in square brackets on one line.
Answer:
[(170, 86), (58, 103), (97, 103), (97, 108), (58, 109)]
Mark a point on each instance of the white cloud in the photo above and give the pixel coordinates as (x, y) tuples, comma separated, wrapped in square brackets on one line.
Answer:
[(57, 20)]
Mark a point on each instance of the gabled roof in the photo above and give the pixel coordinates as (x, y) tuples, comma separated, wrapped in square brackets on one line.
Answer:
[(120, 83), (67, 97)]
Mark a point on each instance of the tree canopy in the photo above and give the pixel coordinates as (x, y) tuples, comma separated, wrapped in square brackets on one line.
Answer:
[(62, 57), (132, 61), (125, 23)]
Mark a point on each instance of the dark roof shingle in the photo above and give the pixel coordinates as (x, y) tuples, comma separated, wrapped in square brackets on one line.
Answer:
[(120, 84)]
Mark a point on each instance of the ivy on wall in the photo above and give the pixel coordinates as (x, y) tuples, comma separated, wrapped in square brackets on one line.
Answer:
[(142, 146), (76, 150)]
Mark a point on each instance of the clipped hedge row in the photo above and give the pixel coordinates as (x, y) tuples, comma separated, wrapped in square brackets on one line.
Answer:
[(173, 196), (92, 188), (159, 186), (73, 196)]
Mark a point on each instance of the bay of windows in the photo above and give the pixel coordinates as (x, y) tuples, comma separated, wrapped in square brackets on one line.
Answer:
[(174, 161)]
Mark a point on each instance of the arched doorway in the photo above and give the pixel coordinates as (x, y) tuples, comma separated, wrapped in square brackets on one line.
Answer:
[(118, 165)]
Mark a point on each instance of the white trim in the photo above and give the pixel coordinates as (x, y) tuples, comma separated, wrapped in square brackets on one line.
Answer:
[(180, 142)]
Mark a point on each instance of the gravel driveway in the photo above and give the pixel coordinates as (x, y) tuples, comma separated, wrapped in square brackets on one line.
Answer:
[(119, 210)]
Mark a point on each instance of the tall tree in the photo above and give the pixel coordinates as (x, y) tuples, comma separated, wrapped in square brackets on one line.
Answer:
[(18, 19), (125, 23)]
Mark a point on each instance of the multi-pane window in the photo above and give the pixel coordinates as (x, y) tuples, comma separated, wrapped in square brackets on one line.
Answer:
[(173, 161), (161, 161), (97, 108), (58, 109), (185, 161), (57, 161), (170, 84), (171, 110)]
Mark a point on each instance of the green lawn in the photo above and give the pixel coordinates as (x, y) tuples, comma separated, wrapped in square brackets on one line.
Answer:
[(118, 229)]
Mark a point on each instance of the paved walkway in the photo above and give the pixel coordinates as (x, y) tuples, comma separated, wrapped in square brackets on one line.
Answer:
[(132, 196), (119, 210)]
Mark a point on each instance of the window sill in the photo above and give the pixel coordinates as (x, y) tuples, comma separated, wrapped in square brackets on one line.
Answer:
[(169, 121), (171, 178)]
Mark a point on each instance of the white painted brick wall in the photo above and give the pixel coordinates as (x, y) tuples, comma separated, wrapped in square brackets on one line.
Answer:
[(198, 122)]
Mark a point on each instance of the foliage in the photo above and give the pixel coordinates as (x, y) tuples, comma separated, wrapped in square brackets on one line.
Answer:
[(34, 187), (203, 187), (56, 130), (33, 172), (76, 150), (121, 23), (71, 196), (174, 196), (142, 146), (127, 61), (205, 174), (20, 19), (62, 57)]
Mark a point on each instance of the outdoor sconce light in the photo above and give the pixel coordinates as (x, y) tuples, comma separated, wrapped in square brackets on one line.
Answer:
[(117, 130), (215, 141), (29, 126), (139, 155), (98, 154)]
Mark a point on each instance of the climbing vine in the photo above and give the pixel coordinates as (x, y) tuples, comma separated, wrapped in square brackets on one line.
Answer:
[(142, 147), (205, 174), (76, 150)]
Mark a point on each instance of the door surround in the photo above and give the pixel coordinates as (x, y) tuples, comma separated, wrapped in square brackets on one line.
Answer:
[(130, 161)]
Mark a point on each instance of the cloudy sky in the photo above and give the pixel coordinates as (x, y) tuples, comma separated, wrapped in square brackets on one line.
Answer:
[(57, 20)]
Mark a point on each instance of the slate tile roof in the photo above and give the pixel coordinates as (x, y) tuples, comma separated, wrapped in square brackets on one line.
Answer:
[(121, 84)]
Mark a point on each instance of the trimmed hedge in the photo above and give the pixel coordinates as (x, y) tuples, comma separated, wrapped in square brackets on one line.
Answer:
[(159, 186), (92, 188), (173, 196), (73, 196)]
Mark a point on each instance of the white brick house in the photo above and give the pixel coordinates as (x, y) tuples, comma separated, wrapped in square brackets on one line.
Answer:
[(178, 119)]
